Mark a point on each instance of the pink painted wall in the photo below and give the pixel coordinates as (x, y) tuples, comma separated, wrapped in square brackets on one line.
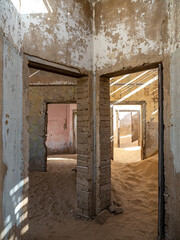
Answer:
[(60, 128)]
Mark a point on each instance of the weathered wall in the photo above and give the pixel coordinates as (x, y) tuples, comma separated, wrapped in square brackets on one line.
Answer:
[(172, 176), (127, 29), (175, 118), (2, 165), (128, 34), (39, 96), (60, 32), (60, 128), (13, 164), (174, 193), (132, 34)]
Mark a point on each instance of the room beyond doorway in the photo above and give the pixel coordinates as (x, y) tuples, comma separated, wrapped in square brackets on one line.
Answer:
[(61, 137), (127, 129), (135, 134), (61, 129)]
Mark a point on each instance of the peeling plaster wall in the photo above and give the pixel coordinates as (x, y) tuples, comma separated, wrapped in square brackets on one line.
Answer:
[(10, 23), (128, 34), (63, 34), (135, 33), (13, 181), (127, 29), (12, 132), (38, 97)]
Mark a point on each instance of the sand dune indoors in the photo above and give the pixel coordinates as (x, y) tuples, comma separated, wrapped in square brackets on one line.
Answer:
[(133, 184)]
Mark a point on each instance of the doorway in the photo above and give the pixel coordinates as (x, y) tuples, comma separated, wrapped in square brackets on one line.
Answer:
[(61, 137), (128, 132), (134, 176)]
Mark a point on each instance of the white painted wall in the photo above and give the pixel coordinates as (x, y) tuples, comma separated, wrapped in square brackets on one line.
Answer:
[(175, 108), (12, 132), (10, 23), (14, 204)]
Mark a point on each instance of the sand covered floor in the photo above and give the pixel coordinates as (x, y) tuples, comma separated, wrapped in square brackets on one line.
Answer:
[(52, 203)]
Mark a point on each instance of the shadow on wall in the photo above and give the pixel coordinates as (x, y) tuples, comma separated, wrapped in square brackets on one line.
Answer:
[(61, 128)]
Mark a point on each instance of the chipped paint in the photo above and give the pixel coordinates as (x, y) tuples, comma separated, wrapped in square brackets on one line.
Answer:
[(12, 130), (127, 32), (10, 23), (65, 35)]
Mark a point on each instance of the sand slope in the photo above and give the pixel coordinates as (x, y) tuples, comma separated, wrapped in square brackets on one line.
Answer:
[(52, 204)]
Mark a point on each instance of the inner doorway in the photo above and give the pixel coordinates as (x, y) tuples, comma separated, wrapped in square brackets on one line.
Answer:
[(137, 182), (61, 137), (127, 132)]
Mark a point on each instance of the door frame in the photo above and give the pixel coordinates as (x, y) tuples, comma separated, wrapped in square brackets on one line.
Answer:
[(161, 176), (46, 121), (142, 125)]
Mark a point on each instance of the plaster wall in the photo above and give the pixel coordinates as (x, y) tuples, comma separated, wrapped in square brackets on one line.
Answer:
[(126, 29), (13, 163), (174, 193), (2, 165), (10, 23), (12, 133), (60, 31), (175, 117), (127, 34), (60, 128), (133, 34)]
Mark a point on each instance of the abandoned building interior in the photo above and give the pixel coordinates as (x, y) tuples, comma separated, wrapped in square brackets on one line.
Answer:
[(90, 119)]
